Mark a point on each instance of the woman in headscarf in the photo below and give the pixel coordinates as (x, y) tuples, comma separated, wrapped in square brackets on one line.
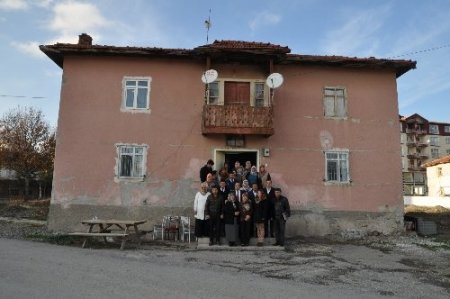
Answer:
[(252, 177), (245, 186), (201, 224)]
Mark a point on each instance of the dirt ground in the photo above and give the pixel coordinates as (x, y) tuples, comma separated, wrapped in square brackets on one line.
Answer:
[(405, 265)]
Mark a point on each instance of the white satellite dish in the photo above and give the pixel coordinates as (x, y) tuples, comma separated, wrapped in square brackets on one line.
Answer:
[(274, 80), (209, 76)]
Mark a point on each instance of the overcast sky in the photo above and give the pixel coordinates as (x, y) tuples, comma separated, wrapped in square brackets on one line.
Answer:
[(402, 29)]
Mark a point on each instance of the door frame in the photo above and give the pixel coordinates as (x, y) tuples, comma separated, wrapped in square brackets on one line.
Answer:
[(219, 155)]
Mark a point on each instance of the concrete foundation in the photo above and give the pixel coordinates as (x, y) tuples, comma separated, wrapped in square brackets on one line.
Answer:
[(335, 224)]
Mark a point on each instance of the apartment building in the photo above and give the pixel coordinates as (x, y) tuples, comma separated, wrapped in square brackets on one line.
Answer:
[(421, 141)]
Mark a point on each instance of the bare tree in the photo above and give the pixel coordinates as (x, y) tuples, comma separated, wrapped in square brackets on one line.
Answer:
[(26, 145)]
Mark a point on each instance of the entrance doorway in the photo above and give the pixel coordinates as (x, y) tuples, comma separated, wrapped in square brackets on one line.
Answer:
[(231, 156)]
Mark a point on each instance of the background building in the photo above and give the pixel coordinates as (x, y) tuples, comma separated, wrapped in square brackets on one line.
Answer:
[(421, 141)]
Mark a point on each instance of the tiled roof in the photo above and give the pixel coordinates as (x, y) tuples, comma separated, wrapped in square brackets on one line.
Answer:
[(238, 44), (443, 160), (227, 50)]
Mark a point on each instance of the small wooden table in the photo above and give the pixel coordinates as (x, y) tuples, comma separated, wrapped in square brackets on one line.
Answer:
[(102, 228)]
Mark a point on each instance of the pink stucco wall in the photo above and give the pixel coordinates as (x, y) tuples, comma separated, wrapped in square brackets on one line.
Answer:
[(91, 123)]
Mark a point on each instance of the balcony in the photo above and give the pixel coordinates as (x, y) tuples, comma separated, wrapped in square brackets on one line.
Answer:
[(416, 131), (237, 119), (413, 156), (415, 168)]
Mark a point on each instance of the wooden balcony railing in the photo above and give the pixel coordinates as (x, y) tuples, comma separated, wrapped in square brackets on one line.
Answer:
[(237, 119)]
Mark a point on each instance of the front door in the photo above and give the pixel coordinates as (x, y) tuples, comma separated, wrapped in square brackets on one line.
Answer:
[(237, 93)]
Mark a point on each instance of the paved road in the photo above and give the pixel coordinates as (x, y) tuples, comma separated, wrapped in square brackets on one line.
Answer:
[(39, 270)]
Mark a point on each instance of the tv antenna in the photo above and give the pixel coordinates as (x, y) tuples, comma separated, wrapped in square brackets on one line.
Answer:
[(274, 81), (208, 25)]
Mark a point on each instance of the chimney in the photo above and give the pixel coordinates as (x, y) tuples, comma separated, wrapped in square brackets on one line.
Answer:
[(84, 40)]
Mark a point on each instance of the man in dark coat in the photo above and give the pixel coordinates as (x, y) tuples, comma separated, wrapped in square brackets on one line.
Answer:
[(205, 170), (213, 213), (270, 197), (282, 212)]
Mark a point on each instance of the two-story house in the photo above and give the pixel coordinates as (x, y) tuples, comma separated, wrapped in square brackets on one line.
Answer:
[(136, 125)]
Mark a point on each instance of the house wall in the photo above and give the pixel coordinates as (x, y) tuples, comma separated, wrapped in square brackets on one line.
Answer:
[(91, 123), (439, 180)]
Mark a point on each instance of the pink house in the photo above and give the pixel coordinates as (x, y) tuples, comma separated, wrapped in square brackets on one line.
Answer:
[(136, 125)]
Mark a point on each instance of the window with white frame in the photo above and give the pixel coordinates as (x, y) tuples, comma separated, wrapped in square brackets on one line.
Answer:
[(136, 93), (447, 129), (335, 102), (251, 92), (213, 93), (434, 129), (434, 153), (434, 140), (337, 166), (131, 161), (259, 94)]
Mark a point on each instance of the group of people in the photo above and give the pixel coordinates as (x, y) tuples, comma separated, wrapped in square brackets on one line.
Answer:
[(239, 204)]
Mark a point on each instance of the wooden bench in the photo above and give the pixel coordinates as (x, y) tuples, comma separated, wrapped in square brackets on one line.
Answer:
[(104, 235), (103, 228)]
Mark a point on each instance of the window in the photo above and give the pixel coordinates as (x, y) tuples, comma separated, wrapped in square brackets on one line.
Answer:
[(235, 140), (434, 140), (238, 92), (336, 166), (434, 129), (131, 162), (447, 129), (448, 152), (402, 138), (434, 153), (447, 140), (213, 93), (136, 93), (259, 94), (334, 101)]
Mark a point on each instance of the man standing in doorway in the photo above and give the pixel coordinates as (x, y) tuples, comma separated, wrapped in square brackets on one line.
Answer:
[(282, 212), (205, 170)]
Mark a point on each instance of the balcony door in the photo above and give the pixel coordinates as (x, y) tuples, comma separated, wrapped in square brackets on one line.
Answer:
[(237, 93)]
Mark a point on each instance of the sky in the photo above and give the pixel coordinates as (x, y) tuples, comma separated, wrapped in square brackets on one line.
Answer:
[(399, 29)]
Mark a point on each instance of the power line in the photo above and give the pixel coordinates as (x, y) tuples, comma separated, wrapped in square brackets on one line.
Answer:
[(21, 97), (421, 51)]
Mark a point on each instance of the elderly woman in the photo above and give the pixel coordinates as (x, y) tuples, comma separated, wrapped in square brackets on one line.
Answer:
[(252, 177), (231, 218), (245, 225), (201, 224), (259, 215)]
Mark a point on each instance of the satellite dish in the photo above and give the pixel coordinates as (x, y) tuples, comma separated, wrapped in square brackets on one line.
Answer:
[(209, 76), (274, 80)]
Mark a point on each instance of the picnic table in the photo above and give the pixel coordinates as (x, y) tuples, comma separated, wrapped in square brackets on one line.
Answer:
[(124, 229)]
